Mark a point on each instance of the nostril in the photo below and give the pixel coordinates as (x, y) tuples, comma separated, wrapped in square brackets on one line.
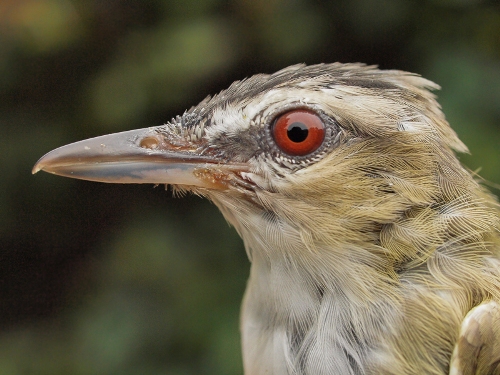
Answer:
[(149, 142)]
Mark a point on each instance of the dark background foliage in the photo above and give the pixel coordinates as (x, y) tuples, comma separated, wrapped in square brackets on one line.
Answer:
[(110, 279)]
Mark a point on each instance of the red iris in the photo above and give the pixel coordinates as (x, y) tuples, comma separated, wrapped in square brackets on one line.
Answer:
[(298, 132)]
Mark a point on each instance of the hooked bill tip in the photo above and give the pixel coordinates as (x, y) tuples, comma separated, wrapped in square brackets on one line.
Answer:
[(38, 166)]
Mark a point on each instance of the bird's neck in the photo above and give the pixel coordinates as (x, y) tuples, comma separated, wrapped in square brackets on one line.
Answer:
[(293, 319), (304, 304)]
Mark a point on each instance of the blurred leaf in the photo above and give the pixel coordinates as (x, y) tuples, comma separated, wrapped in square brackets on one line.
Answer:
[(290, 32), (160, 67), (41, 26), (470, 95)]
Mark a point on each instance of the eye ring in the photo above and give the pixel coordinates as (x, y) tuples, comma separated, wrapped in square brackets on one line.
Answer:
[(298, 132)]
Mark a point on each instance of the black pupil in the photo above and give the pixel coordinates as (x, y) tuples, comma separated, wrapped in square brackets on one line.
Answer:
[(297, 132)]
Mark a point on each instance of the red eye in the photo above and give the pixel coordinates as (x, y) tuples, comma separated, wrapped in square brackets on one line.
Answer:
[(298, 132)]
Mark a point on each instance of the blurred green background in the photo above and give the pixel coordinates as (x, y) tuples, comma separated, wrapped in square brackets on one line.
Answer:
[(104, 279)]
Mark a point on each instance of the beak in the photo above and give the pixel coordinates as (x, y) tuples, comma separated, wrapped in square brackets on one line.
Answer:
[(138, 156)]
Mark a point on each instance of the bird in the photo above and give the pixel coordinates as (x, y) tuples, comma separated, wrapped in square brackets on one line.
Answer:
[(373, 250)]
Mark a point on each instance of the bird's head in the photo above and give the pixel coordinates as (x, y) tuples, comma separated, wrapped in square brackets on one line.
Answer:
[(327, 155), (343, 183)]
